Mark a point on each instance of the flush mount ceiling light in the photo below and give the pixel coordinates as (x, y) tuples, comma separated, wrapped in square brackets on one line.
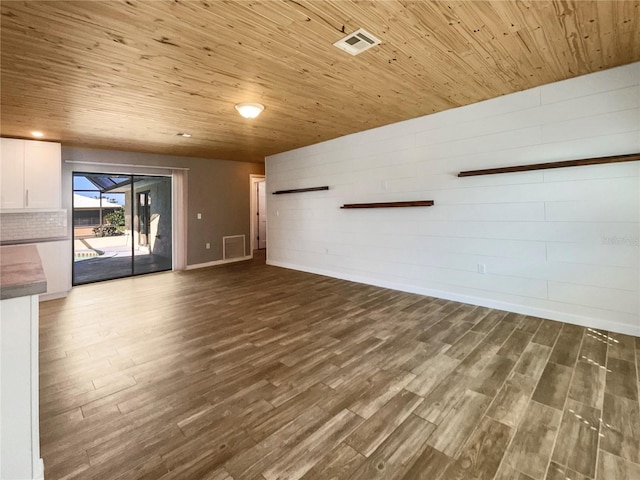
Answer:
[(185, 135), (249, 110), (37, 134)]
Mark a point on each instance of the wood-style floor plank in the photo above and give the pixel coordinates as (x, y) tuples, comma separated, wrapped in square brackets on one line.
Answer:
[(251, 372), (482, 453), (532, 444), (577, 442), (512, 400)]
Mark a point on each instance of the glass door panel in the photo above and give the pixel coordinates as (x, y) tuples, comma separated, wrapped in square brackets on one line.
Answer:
[(101, 234), (152, 222)]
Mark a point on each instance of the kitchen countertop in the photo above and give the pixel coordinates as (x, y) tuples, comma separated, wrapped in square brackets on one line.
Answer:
[(33, 240), (21, 272)]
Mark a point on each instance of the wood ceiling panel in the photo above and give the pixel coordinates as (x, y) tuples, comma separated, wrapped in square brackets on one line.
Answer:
[(131, 74)]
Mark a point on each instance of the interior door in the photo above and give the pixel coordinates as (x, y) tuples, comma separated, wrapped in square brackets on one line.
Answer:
[(262, 215)]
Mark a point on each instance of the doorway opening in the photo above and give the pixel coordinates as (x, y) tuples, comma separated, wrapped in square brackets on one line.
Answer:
[(122, 226), (258, 212)]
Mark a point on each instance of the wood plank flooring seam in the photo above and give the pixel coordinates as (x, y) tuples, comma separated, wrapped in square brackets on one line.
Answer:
[(566, 399), (600, 434), (515, 431)]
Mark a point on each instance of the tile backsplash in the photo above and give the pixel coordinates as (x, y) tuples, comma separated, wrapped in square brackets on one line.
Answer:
[(33, 225)]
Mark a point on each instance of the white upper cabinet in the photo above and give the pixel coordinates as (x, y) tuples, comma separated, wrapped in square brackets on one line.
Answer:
[(31, 174), (12, 173), (42, 172)]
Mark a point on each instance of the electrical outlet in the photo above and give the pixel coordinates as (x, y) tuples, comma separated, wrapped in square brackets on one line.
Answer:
[(207, 245), (482, 268), (199, 216)]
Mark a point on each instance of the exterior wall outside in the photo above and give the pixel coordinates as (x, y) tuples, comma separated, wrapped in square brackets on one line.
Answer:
[(562, 244), (159, 238)]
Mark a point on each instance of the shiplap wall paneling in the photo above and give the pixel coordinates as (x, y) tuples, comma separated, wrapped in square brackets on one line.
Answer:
[(561, 244)]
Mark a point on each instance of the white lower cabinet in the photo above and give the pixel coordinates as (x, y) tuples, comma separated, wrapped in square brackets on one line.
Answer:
[(56, 263), (19, 409)]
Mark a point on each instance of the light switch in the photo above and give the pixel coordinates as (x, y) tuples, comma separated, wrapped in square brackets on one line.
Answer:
[(199, 216)]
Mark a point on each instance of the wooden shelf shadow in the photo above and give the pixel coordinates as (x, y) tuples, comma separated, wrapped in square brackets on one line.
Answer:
[(300, 190), (416, 203), (634, 157)]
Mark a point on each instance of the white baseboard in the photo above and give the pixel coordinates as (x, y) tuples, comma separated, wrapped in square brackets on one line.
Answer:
[(219, 262), (53, 296), (38, 474), (482, 302)]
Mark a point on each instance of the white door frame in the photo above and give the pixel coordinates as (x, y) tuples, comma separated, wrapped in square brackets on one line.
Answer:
[(253, 180)]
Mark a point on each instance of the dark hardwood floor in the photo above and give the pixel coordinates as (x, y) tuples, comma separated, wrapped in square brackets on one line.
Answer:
[(251, 372)]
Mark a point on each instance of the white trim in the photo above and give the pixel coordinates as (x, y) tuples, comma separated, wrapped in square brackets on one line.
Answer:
[(253, 197), (35, 387), (38, 473), (483, 302), (100, 164), (219, 262), (179, 218)]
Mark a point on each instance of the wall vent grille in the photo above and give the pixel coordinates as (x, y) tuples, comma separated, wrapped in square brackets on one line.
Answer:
[(233, 247), (357, 42)]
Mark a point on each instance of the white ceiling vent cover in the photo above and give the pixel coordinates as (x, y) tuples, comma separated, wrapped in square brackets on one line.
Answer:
[(357, 42)]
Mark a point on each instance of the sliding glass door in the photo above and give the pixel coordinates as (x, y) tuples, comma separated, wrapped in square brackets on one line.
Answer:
[(151, 201), (122, 226)]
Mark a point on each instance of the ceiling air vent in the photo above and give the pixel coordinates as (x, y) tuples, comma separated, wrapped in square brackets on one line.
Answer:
[(357, 42)]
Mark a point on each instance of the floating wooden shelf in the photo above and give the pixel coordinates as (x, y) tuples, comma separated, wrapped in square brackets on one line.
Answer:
[(416, 203), (634, 157), (300, 190)]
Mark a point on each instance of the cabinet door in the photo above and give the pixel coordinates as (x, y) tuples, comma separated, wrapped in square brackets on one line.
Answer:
[(42, 173), (19, 390), (12, 173)]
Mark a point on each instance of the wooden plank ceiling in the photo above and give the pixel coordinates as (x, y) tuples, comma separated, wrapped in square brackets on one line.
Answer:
[(131, 74)]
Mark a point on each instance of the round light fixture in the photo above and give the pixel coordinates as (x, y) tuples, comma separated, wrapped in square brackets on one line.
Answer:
[(37, 134), (249, 110), (184, 134)]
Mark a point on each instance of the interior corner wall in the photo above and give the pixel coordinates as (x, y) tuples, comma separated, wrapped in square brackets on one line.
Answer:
[(562, 244), (218, 189)]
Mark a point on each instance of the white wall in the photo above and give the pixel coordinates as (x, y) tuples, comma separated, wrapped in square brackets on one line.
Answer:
[(561, 244)]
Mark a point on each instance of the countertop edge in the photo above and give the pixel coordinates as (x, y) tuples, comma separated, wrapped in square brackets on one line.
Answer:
[(21, 273), (17, 291), (32, 240)]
